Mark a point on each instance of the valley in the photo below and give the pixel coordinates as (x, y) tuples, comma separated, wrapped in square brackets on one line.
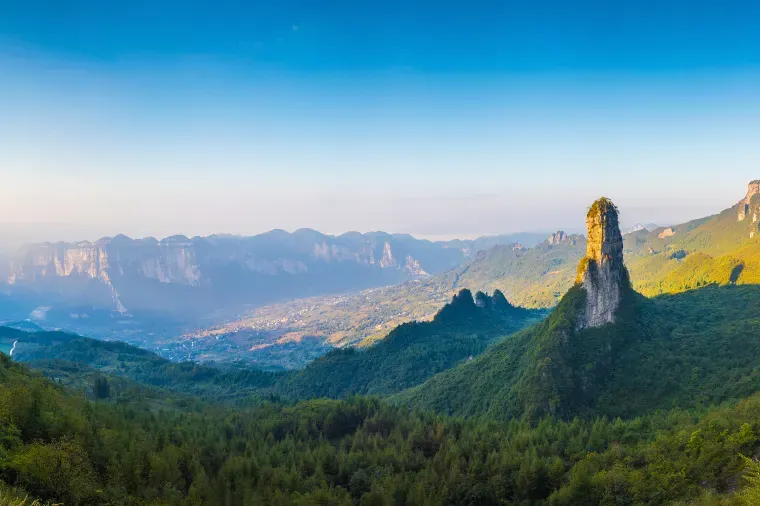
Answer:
[(149, 292)]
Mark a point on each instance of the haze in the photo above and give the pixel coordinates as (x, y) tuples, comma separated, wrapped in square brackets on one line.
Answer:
[(440, 122)]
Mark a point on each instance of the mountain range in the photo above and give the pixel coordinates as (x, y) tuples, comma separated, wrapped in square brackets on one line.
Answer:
[(613, 398), (192, 278), (600, 334), (720, 249)]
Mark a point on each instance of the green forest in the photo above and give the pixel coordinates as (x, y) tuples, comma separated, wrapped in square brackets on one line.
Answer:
[(107, 423), (147, 447)]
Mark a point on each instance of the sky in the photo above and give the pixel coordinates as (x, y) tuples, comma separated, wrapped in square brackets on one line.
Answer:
[(439, 119)]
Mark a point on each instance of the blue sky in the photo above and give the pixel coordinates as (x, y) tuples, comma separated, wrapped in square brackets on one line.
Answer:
[(432, 118)]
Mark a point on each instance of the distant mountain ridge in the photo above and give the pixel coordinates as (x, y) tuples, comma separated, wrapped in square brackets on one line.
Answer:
[(201, 274)]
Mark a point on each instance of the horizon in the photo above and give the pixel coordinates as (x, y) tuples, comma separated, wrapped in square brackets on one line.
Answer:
[(15, 234), (22, 227), (437, 121)]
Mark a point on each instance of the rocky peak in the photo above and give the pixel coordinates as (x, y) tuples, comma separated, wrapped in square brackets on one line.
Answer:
[(387, 260), (464, 307), (498, 302), (753, 188), (602, 272), (413, 267), (636, 228), (557, 237), (462, 299)]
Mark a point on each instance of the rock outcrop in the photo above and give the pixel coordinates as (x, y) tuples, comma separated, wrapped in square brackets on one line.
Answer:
[(463, 307), (602, 272), (753, 188), (413, 267), (561, 238), (387, 259), (557, 237), (636, 228)]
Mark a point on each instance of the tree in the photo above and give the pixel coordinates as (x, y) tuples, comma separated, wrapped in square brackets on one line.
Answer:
[(101, 389), (751, 493)]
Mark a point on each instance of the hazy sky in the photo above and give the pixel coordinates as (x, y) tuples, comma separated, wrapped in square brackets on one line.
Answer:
[(428, 117)]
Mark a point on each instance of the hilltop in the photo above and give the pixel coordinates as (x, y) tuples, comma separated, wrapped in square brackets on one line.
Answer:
[(76, 361), (414, 351)]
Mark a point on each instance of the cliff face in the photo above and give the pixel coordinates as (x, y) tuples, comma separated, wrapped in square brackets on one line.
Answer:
[(753, 188), (602, 272), (165, 261), (247, 269), (179, 260), (59, 260)]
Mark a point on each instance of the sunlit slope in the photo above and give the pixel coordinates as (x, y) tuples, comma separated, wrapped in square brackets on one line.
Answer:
[(717, 250), (608, 350)]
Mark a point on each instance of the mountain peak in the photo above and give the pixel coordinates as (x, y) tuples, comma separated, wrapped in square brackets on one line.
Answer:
[(602, 272), (557, 237), (463, 299)]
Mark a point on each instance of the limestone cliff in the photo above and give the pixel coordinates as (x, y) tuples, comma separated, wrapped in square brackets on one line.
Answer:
[(59, 260), (753, 188), (602, 272), (178, 271), (168, 261), (387, 259)]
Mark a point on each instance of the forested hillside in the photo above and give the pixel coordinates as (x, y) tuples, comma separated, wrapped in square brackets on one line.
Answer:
[(699, 347), (413, 352), (75, 360), (607, 350), (153, 448)]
